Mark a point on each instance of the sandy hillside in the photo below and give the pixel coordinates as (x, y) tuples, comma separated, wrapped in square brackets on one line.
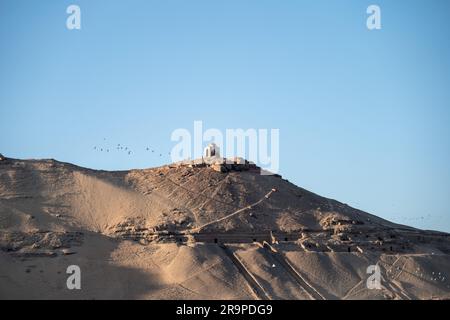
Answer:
[(190, 232)]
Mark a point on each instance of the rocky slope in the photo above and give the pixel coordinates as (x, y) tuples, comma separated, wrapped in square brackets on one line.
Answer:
[(181, 231)]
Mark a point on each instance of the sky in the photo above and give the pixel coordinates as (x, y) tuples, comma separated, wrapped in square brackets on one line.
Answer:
[(363, 114)]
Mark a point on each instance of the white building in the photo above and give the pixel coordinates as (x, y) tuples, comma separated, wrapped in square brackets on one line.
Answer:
[(212, 150)]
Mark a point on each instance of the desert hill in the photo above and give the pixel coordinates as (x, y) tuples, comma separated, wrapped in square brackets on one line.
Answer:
[(191, 232)]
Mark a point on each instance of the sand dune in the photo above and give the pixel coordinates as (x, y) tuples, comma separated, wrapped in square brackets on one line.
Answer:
[(181, 232)]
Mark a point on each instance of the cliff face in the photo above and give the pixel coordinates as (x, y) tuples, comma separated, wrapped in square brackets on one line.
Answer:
[(53, 209)]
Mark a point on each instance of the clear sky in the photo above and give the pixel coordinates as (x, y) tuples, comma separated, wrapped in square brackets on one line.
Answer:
[(363, 115)]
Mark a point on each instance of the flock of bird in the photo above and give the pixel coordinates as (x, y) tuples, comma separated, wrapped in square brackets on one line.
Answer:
[(125, 149)]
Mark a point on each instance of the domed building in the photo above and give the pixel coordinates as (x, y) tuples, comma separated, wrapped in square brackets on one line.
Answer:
[(212, 150)]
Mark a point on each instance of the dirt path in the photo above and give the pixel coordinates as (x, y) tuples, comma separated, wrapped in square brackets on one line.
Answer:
[(256, 287), (267, 196), (308, 288)]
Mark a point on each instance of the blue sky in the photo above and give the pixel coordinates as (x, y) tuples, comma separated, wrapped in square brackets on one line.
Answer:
[(363, 115)]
